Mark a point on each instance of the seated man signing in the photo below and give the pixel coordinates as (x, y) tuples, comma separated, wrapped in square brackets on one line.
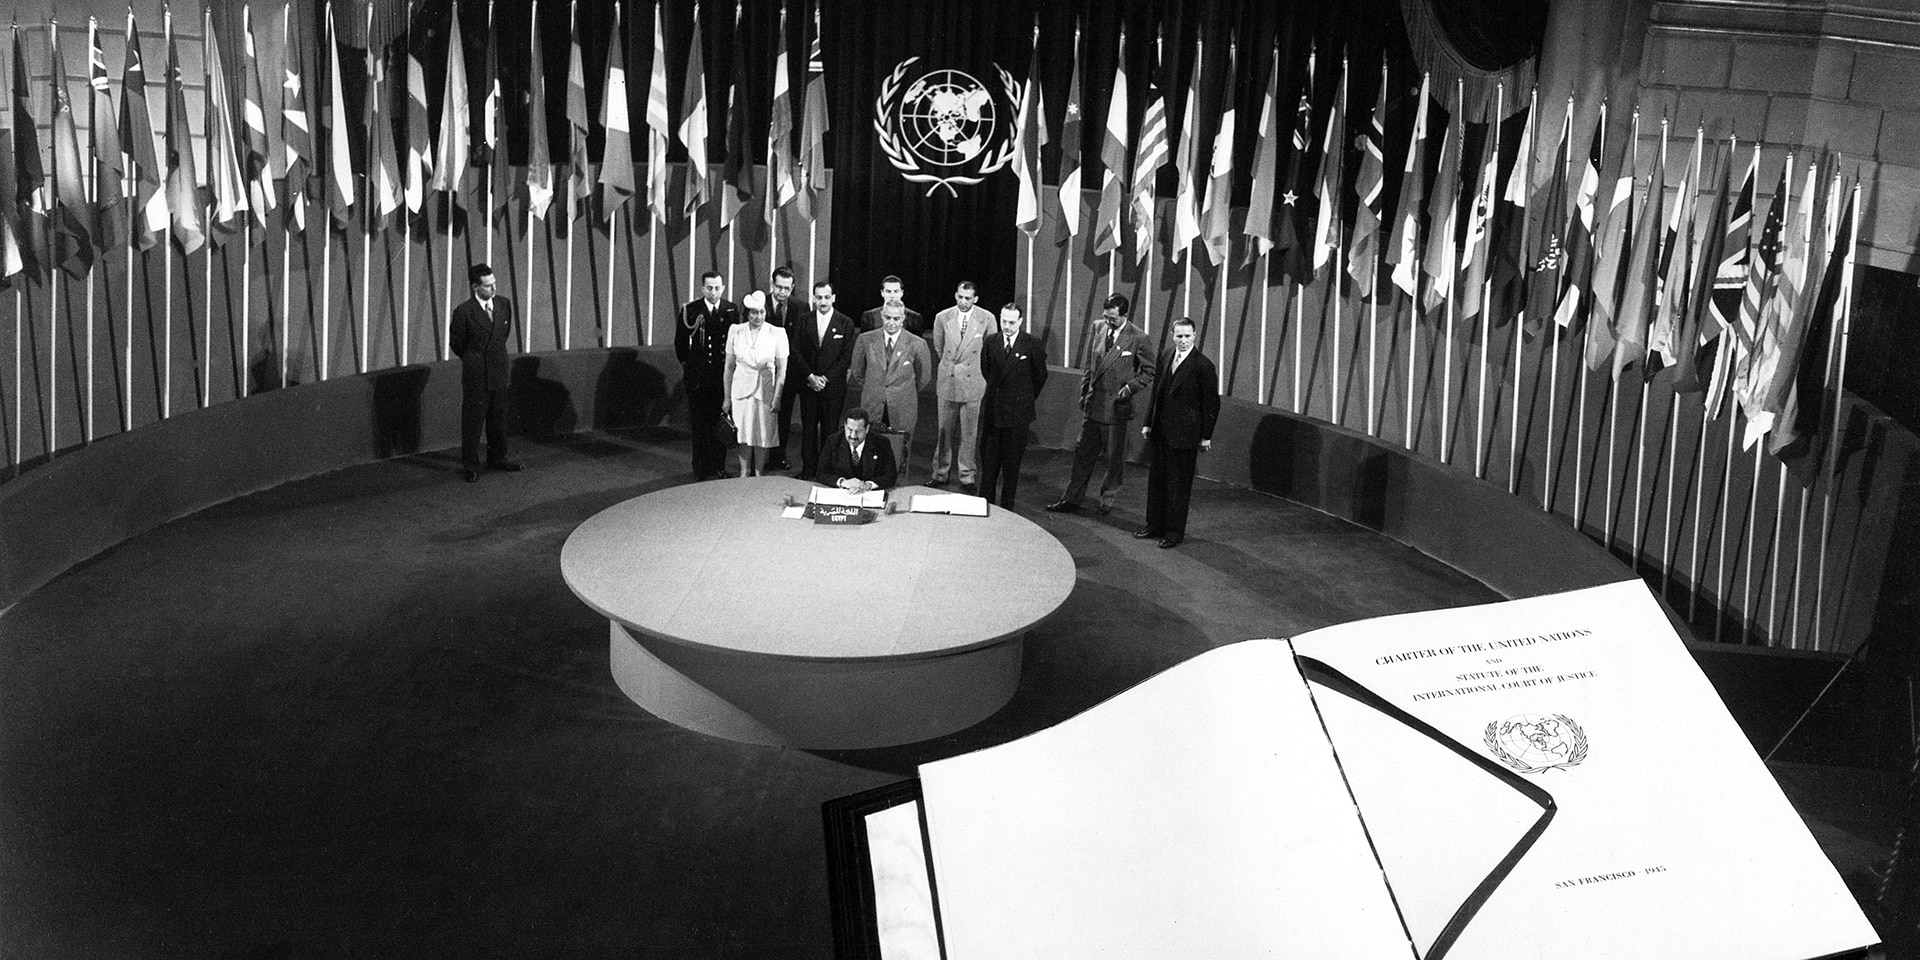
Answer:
[(854, 463)]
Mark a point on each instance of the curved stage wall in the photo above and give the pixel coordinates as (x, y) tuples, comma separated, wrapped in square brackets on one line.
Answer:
[(88, 500)]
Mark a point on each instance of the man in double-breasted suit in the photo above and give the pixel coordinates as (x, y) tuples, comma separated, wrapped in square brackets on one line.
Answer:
[(1119, 368), (893, 294), (820, 351), (700, 341), (787, 313), (1014, 369), (478, 335), (958, 332), (890, 368), (1181, 411)]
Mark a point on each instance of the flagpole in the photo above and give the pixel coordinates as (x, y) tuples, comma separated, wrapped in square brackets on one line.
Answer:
[(206, 314), (1753, 520), (286, 271), (19, 381), (1480, 451), (1333, 293), (1299, 318), (1266, 298), (1834, 437), (1029, 281), (486, 125), (126, 387), (653, 270), (1413, 351), (54, 283), (1553, 366), (326, 290), (1699, 507), (526, 312), (613, 245), (566, 326), (446, 305), (1525, 162), (93, 196), (1726, 497)]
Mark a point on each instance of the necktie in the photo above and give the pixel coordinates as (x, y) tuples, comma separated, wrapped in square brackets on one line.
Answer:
[(1113, 334), (963, 326), (1009, 344), (889, 344)]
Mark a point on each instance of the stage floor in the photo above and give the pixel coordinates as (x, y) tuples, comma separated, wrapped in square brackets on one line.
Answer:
[(363, 716)]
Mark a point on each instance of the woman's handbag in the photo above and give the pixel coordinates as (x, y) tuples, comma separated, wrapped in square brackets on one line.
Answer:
[(724, 431)]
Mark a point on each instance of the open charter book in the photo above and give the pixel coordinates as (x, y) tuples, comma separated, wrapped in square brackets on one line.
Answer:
[(1549, 777)]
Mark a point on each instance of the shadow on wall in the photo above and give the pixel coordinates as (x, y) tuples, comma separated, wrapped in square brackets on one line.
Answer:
[(398, 410), (629, 393), (542, 407), (1303, 462)]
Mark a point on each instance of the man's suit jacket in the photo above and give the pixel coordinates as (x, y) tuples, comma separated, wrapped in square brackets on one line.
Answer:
[(959, 356), (891, 382), (808, 355), (876, 462), (1014, 378), (915, 323), (700, 338), (480, 341), (793, 311), (1185, 403), (1116, 375)]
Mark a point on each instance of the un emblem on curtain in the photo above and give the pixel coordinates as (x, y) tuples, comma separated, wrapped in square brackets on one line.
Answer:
[(945, 127)]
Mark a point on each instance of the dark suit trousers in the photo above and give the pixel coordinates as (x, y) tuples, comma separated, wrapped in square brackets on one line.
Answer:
[(789, 399), (1169, 486), (1001, 450), (703, 418), (819, 421), (480, 407), (1097, 439)]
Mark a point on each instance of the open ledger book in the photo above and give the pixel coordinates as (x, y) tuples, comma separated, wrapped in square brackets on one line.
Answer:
[(1550, 777)]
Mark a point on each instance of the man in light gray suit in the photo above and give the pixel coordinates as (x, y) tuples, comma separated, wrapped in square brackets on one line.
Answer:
[(1119, 368), (958, 332), (890, 368)]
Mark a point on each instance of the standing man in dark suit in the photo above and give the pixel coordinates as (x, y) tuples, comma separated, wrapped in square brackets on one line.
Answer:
[(820, 350), (1119, 369), (700, 340), (1181, 412), (787, 313), (478, 335), (892, 295), (1015, 370)]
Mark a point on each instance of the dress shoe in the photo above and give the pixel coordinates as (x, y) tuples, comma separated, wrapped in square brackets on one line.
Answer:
[(1171, 540), (806, 475), (1103, 509), (780, 464), (470, 474), (937, 482), (1063, 506), (970, 490), (507, 465), (1147, 533)]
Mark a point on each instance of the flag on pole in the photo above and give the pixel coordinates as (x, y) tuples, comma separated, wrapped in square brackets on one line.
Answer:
[(1729, 286), (295, 131), (1441, 262), (1669, 282), (1709, 240), (1549, 250), (1333, 156), (383, 162), (109, 193), (72, 211), (1217, 208), (616, 159), (1477, 251), (1070, 145), (1363, 260), (782, 184), (1029, 135), (658, 124), (738, 169), (1149, 156), (1784, 322), (1763, 274), (579, 167), (1637, 294), (1266, 165), (486, 138), (1797, 437), (1186, 162), (224, 179), (1296, 261), (259, 146), (140, 149), (339, 157), (1113, 158), (29, 174), (1403, 249), (1581, 226), (1509, 228), (1610, 252), (419, 172), (814, 125), (183, 200), (452, 156), (539, 143), (12, 255), (693, 118)]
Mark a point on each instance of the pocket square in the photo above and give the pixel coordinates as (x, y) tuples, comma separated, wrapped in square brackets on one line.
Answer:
[(1126, 353)]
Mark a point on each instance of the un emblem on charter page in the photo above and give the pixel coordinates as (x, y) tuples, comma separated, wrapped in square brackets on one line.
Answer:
[(944, 127), (1531, 743)]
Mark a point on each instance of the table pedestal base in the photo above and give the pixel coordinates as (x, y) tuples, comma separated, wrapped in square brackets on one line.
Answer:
[(816, 704)]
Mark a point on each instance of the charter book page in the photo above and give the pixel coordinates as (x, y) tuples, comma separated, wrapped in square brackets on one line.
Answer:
[(1198, 814), (1670, 837)]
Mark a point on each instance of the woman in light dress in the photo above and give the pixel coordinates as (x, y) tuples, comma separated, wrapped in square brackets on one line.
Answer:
[(756, 369)]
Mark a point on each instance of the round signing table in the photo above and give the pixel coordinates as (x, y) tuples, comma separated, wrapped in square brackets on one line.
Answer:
[(728, 619)]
